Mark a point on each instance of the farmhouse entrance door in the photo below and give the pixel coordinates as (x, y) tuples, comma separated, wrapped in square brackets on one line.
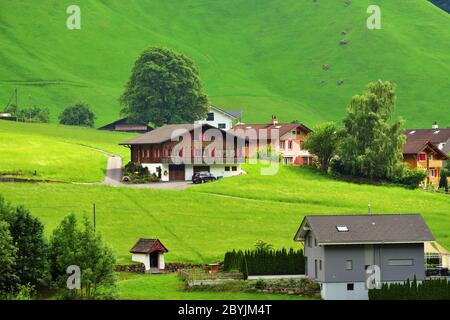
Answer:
[(176, 172), (154, 260)]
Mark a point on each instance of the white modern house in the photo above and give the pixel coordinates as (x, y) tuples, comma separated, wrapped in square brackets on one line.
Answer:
[(222, 119), (175, 152), (348, 253), (149, 252)]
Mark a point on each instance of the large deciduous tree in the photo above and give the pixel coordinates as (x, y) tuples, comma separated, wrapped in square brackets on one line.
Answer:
[(164, 88), (373, 145), (79, 114), (323, 143)]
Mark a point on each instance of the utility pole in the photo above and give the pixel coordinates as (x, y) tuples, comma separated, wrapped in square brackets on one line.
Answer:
[(93, 208), (17, 104)]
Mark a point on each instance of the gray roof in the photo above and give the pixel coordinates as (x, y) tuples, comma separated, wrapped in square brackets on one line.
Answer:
[(368, 228), (234, 113), (164, 133)]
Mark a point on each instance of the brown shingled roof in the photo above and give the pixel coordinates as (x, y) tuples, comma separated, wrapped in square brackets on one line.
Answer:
[(165, 132), (369, 228), (417, 146), (433, 135), (148, 246), (282, 128)]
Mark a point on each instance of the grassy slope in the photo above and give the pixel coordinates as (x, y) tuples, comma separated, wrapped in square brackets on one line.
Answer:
[(170, 287), (57, 152), (263, 57), (199, 224)]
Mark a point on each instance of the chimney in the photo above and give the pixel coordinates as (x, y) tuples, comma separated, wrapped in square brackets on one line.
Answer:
[(435, 126), (274, 120)]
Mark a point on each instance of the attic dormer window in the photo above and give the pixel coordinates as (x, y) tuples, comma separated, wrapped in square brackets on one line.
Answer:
[(412, 132), (342, 228)]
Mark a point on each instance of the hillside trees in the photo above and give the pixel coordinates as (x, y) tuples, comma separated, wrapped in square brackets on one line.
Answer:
[(164, 88), (8, 252), (27, 234), (31, 114), (373, 146), (79, 114), (72, 245), (323, 142)]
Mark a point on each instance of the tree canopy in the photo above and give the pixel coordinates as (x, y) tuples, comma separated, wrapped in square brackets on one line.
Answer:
[(79, 114), (164, 88), (373, 143)]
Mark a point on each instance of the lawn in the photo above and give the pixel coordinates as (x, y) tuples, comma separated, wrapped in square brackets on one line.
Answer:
[(200, 224), (264, 57), (170, 287), (54, 152)]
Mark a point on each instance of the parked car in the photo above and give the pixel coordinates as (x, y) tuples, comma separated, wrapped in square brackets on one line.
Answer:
[(202, 177)]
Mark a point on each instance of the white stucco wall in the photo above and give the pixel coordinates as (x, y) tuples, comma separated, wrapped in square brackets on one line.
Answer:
[(142, 258), (152, 169), (338, 291), (161, 264), (218, 170), (219, 117)]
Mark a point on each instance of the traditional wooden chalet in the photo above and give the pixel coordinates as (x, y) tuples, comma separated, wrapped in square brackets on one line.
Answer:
[(424, 155), (288, 141), (123, 125), (150, 252), (176, 152), (437, 136)]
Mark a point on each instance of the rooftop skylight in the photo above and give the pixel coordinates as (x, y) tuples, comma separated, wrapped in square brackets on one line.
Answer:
[(342, 228)]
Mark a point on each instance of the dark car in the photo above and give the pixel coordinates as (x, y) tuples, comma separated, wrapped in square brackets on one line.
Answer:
[(202, 177)]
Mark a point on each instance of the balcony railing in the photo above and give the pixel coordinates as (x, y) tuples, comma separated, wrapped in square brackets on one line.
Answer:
[(202, 160)]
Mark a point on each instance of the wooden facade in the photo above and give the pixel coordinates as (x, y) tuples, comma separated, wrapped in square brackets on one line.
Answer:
[(425, 156)]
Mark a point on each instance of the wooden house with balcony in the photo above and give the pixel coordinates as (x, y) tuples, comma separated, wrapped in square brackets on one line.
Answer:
[(175, 152), (285, 138), (424, 155)]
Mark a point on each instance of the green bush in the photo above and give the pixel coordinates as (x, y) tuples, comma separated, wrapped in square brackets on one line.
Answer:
[(31, 114), (266, 262), (139, 174), (427, 290), (79, 114), (412, 178)]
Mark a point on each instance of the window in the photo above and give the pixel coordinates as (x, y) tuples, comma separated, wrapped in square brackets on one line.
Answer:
[(222, 126), (288, 160), (210, 116), (290, 145), (422, 157), (349, 265), (430, 157), (227, 168), (309, 242), (282, 145), (315, 242), (342, 228), (315, 268), (433, 173), (294, 132), (401, 262), (350, 286), (234, 168), (320, 265)]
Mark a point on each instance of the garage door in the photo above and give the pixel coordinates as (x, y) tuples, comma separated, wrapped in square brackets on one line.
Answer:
[(176, 172), (201, 169)]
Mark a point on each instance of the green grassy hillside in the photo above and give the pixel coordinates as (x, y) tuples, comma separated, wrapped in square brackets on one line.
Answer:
[(55, 152), (263, 57), (200, 224)]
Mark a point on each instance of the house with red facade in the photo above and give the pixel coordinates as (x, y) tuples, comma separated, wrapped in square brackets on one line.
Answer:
[(286, 138), (177, 151)]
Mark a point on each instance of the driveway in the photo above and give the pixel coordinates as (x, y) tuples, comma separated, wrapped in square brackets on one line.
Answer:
[(113, 177)]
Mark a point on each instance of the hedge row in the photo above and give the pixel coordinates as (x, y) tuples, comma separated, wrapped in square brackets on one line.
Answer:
[(266, 262), (427, 290)]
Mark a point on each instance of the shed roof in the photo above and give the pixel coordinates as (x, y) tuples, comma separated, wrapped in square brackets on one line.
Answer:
[(369, 228), (144, 245)]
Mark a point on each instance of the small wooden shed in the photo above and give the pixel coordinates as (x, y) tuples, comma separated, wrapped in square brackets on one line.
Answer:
[(150, 252)]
